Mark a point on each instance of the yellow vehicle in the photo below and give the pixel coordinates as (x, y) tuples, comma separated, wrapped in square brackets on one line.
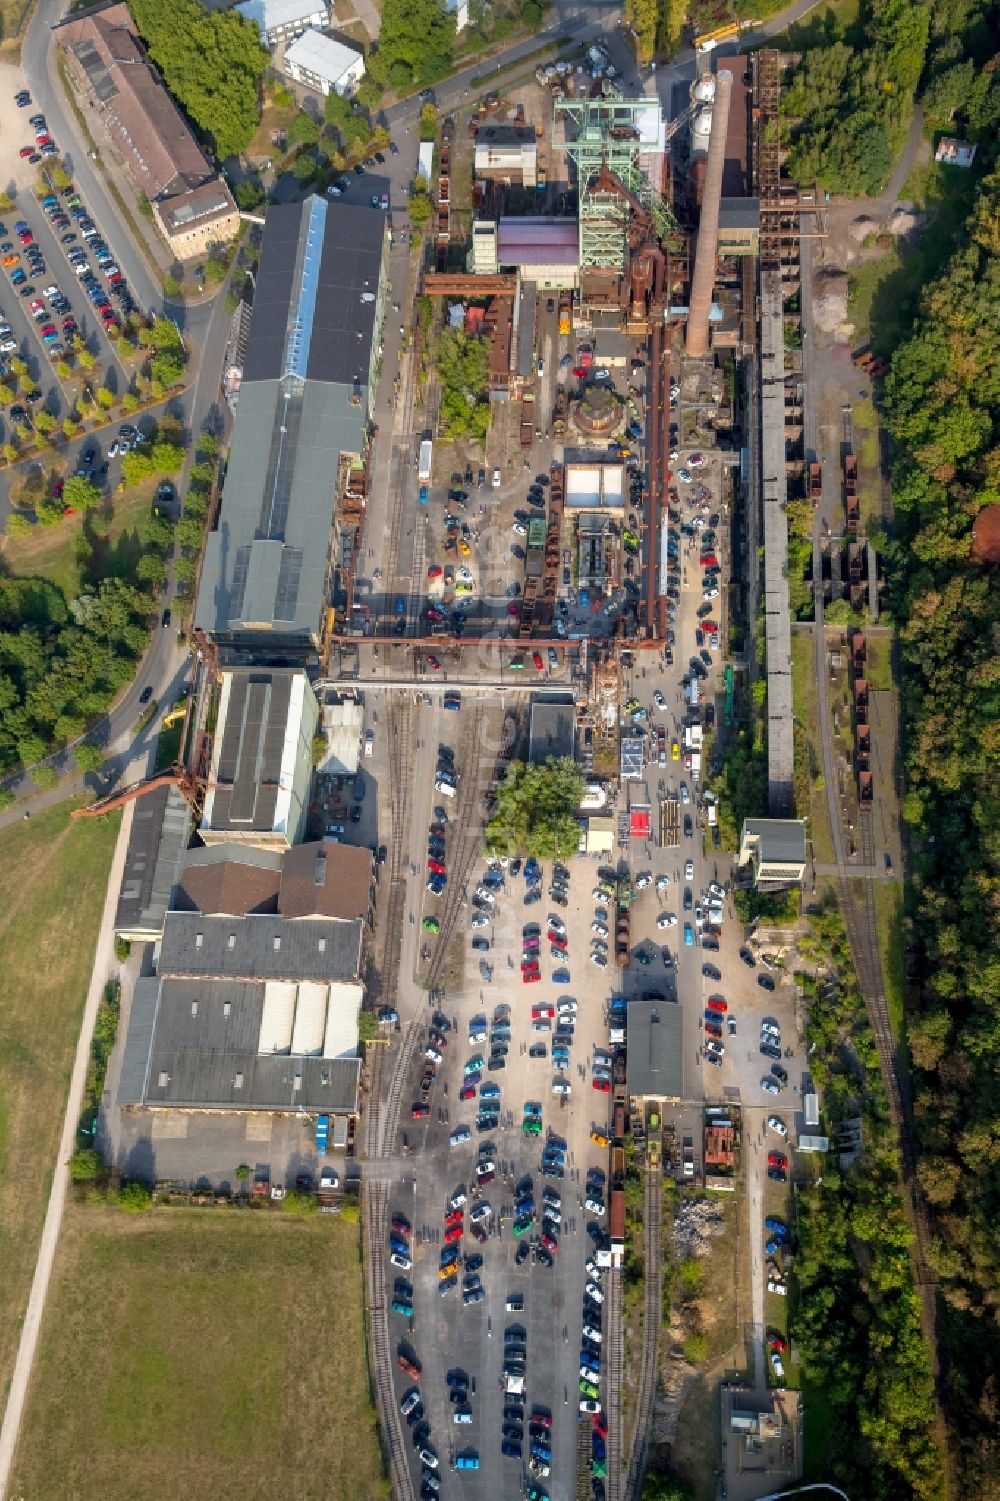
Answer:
[(464, 548), (711, 39), (599, 1138), (675, 751), (447, 1269), (464, 588), (11, 260)]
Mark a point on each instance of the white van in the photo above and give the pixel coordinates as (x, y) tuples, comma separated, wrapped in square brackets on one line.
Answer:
[(444, 787)]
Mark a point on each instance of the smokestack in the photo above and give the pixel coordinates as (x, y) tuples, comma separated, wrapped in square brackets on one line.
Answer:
[(703, 279)]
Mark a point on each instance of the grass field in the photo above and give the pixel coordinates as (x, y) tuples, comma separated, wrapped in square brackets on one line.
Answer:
[(60, 553), (53, 878), (214, 1355), (889, 921), (810, 788)]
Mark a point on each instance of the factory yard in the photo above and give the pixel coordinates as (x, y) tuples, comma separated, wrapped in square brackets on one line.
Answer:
[(190, 1354)]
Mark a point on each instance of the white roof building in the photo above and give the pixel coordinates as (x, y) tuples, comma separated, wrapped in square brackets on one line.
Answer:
[(425, 160), (280, 19), (321, 63)]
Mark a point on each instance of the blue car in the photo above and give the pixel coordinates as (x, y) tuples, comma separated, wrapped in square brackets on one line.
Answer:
[(561, 977), (531, 870), (489, 1091), (560, 1055), (688, 935)]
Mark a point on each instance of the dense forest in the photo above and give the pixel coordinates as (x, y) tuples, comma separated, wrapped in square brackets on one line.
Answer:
[(856, 1322), (850, 101), (212, 62), (943, 407)]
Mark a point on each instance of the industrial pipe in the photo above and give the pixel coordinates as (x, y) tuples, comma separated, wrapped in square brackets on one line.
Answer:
[(703, 280)]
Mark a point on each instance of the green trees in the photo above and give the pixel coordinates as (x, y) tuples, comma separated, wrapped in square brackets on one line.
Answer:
[(849, 106), (943, 407), (537, 810), (463, 370), (62, 663), (211, 61), (415, 45), (80, 493)]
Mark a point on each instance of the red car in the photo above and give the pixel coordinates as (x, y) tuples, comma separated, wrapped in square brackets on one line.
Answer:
[(453, 1235), (708, 560), (400, 1222), (418, 1112), (26, 237), (713, 1029), (603, 1085), (434, 664), (600, 1424), (537, 1012), (26, 150), (434, 572), (777, 1159), (579, 372), (540, 1418), (557, 938), (531, 977), (468, 1093), (716, 1003), (409, 1367), (549, 1241), (777, 1343), (454, 1218), (437, 868), (709, 627), (536, 657)]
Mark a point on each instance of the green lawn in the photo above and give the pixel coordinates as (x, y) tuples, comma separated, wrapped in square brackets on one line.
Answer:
[(810, 786), (214, 1355), (889, 921), (818, 1426), (816, 28), (885, 292), (878, 662), (53, 879), (105, 544)]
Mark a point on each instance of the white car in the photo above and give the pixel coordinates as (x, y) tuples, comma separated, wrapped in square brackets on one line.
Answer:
[(601, 374), (716, 1047), (599, 960), (659, 700), (594, 1292), (776, 1366), (667, 920), (433, 1055), (459, 1135), (496, 479), (589, 1406), (458, 1198), (586, 1374), (557, 925), (662, 882), (710, 594), (769, 1085), (641, 882), (777, 1287), (598, 946), (685, 794), (429, 1458), (689, 870), (562, 1087), (770, 1029), (714, 889), (593, 1270), (480, 920), (550, 1212), (567, 1008), (481, 1212), (777, 1125), (600, 929), (595, 1206), (519, 529), (403, 1262), (478, 1036), (482, 1169), (328, 1179), (591, 1331), (602, 1059)]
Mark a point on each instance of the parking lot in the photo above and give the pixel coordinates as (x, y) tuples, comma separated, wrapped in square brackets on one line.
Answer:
[(460, 1330)]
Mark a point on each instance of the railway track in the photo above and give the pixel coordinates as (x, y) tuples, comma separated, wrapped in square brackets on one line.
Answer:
[(466, 831), (652, 1307), (614, 1387), (862, 930)]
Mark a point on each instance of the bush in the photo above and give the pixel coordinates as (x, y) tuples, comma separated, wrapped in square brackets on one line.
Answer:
[(135, 1198), (122, 948), (299, 1203), (85, 1165)]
